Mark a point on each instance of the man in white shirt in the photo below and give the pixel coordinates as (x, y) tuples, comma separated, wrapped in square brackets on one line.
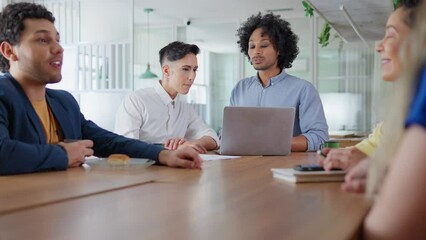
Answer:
[(156, 114)]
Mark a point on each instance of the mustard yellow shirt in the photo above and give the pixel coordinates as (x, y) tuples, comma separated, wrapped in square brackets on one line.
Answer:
[(48, 121), (369, 145)]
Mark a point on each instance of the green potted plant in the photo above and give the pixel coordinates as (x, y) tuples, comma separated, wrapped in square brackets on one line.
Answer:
[(324, 37)]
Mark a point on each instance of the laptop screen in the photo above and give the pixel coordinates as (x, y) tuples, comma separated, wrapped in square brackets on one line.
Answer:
[(257, 131)]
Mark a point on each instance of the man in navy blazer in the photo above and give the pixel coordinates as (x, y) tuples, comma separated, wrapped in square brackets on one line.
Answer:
[(34, 120)]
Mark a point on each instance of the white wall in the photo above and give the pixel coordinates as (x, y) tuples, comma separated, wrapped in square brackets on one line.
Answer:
[(105, 20), (101, 107)]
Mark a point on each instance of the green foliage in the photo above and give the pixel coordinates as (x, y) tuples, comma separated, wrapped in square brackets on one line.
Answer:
[(324, 35), (309, 11), (395, 3)]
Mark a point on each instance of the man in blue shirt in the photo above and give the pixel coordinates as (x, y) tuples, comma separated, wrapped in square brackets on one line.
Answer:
[(35, 120), (271, 46)]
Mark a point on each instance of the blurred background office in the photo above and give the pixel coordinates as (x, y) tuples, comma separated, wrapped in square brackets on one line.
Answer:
[(109, 44)]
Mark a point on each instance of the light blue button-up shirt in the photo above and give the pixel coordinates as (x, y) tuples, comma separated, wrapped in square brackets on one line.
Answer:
[(285, 90)]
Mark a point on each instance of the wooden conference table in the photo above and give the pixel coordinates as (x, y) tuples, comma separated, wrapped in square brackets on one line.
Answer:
[(228, 199)]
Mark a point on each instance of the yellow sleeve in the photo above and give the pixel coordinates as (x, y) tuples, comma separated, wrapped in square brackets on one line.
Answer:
[(369, 145)]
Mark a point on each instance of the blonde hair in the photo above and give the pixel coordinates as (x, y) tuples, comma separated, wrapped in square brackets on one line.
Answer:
[(414, 52)]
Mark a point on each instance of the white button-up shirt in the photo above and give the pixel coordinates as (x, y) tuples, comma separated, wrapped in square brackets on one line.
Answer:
[(151, 115)]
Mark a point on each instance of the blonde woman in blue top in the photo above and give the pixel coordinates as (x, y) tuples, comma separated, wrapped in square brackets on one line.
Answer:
[(397, 176), (398, 27)]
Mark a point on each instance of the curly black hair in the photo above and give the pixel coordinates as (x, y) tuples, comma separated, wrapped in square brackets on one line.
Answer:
[(177, 50), (411, 6), (12, 24), (282, 37)]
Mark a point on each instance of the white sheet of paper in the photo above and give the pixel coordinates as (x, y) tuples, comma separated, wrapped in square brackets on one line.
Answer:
[(212, 157)]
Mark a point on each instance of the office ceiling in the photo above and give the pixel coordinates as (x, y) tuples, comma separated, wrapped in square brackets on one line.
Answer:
[(201, 11), (369, 16), (213, 22)]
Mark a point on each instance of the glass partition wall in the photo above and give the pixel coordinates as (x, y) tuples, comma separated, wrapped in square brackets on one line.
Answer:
[(346, 80)]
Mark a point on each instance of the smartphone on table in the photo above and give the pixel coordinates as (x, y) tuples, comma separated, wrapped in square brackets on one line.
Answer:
[(312, 168)]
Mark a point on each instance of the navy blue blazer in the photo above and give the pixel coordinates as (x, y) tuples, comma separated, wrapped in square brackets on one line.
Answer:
[(23, 147)]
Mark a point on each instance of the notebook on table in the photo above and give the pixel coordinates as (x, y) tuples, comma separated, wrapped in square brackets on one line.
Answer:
[(257, 131), (292, 175)]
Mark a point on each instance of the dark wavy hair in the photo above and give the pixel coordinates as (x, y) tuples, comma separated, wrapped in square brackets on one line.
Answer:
[(12, 24), (282, 37), (177, 50), (411, 7)]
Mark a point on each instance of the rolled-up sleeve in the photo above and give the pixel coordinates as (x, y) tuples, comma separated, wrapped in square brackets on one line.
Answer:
[(197, 128), (313, 124)]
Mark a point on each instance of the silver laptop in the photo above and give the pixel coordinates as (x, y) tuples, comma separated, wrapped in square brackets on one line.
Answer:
[(257, 131)]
